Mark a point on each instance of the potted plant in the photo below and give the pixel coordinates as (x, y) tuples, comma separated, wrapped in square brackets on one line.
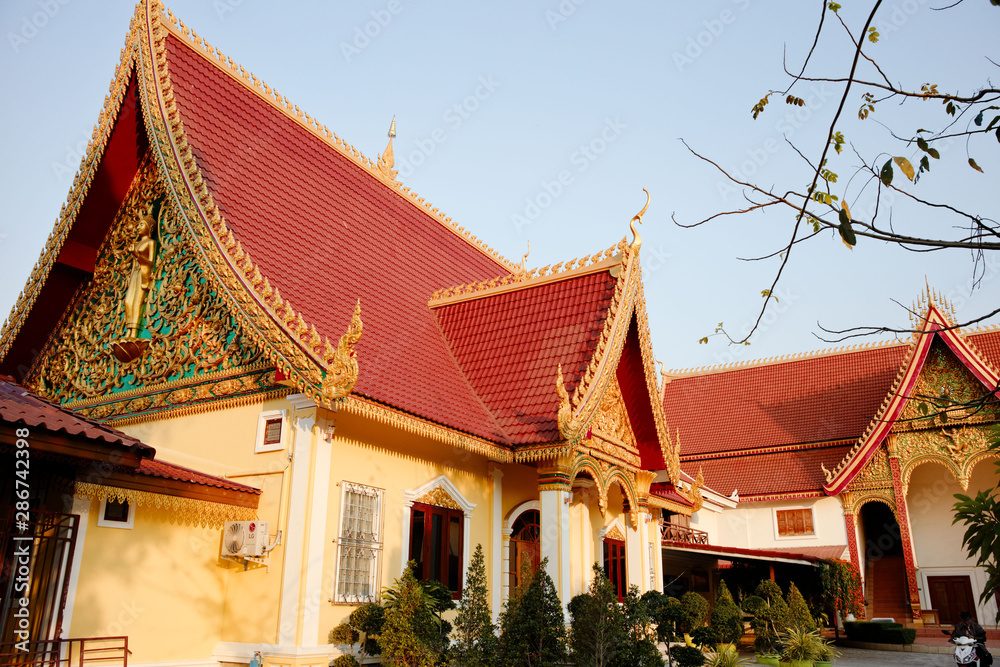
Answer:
[(799, 647), (726, 655), (825, 655)]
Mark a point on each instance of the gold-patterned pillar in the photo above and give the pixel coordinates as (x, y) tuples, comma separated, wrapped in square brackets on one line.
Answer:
[(902, 518)]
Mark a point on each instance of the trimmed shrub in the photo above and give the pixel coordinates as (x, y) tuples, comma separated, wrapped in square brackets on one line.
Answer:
[(705, 636), (799, 615), (727, 618), (345, 661), (532, 630), (687, 656), (475, 639), (695, 611)]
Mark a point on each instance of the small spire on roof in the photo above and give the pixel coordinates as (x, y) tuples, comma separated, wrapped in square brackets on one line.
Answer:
[(637, 218), (524, 260), (386, 161)]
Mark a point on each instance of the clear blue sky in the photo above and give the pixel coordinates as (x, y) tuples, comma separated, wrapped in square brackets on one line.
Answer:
[(495, 102)]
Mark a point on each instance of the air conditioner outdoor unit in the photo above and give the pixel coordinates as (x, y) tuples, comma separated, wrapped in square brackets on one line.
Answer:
[(245, 538)]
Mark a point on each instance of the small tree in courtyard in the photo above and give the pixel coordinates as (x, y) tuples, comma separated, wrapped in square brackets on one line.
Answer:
[(410, 633), (695, 611), (727, 618), (532, 629), (475, 641), (799, 616), (597, 627)]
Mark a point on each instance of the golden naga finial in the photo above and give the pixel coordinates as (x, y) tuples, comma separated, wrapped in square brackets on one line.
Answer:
[(695, 491), (524, 260), (342, 366), (637, 218), (567, 427), (386, 161)]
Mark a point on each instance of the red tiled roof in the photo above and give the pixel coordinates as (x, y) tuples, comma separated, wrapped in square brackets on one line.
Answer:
[(792, 553), (20, 406), (788, 472), (510, 344), (326, 232), (668, 491), (824, 398), (177, 473), (826, 553)]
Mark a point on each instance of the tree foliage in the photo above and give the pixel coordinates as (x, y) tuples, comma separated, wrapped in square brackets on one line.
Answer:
[(363, 628), (956, 124), (695, 610), (842, 587), (597, 626), (799, 616), (532, 633), (770, 616), (410, 634), (727, 618), (475, 639)]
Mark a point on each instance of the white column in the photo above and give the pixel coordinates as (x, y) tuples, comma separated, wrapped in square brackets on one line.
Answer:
[(295, 531), (647, 563), (496, 554), (658, 552), (81, 507), (555, 540), (633, 553), (507, 565), (316, 543)]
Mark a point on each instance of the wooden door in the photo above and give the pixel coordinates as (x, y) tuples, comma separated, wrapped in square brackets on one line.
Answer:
[(951, 596)]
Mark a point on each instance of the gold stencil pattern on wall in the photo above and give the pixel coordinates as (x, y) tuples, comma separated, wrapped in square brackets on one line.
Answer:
[(190, 331)]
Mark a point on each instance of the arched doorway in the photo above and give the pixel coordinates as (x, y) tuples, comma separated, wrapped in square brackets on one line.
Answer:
[(525, 546), (886, 589)]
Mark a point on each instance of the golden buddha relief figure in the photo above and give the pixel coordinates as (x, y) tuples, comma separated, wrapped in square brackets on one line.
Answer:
[(143, 255)]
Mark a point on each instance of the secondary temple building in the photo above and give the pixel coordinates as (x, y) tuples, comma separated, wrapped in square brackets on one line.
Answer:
[(257, 375)]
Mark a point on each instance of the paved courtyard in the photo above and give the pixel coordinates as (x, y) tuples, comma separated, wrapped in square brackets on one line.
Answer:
[(856, 657)]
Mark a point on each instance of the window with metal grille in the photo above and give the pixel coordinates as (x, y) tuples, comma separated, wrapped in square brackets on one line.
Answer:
[(359, 546), (795, 522)]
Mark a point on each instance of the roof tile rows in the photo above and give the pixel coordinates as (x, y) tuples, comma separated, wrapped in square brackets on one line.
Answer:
[(511, 344), (326, 233), (19, 406)]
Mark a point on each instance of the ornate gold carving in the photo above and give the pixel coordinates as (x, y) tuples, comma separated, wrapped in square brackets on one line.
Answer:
[(386, 162), (342, 364), (187, 330), (614, 533), (182, 510), (876, 474), (426, 429), (637, 219), (564, 417), (945, 385), (612, 420), (694, 492), (958, 449), (438, 496)]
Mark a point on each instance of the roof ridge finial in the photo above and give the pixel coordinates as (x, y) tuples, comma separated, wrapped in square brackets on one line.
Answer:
[(386, 161), (524, 259), (637, 218)]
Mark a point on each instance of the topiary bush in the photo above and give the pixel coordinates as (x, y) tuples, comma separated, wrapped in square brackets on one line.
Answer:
[(727, 618), (705, 636), (770, 616), (687, 656), (695, 611), (799, 616)]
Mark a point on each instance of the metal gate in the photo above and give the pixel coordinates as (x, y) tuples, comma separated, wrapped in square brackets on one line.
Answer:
[(37, 554)]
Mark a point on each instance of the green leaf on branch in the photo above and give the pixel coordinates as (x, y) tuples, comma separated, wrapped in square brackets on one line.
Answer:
[(872, 35), (972, 163), (933, 152), (922, 144), (834, 7), (905, 166), (979, 119), (925, 164), (886, 173), (846, 231), (838, 141)]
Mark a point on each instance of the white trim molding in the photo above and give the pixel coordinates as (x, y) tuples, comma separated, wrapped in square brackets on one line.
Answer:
[(263, 419), (110, 523), (410, 496)]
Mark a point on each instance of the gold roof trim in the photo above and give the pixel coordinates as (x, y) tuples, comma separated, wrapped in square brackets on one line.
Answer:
[(185, 510), (523, 279), (236, 71), (270, 321), (676, 374), (412, 424), (82, 181)]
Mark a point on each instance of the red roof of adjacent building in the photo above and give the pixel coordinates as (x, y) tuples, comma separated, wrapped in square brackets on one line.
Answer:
[(326, 232), (20, 406), (668, 491), (745, 425), (510, 345), (164, 470)]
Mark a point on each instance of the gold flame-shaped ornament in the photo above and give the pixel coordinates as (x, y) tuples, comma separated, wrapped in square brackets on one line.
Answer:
[(342, 367)]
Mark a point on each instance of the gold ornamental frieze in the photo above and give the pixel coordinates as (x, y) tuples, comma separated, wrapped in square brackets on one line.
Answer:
[(146, 318), (438, 497), (945, 392), (958, 448)]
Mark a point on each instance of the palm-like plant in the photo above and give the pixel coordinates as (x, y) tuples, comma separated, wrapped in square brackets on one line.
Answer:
[(798, 644), (725, 655)]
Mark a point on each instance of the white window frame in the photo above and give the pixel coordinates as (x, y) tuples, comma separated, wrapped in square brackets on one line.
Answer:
[(774, 517), (108, 523), (344, 543), (262, 419)]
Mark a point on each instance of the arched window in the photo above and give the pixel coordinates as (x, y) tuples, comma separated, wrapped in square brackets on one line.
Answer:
[(525, 546)]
